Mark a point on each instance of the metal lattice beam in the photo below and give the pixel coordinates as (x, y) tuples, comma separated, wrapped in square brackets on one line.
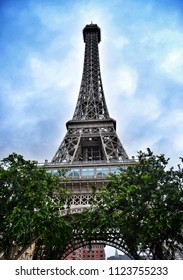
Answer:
[(91, 101)]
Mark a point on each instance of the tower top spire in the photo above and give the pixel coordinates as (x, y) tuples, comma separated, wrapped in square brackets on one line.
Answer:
[(92, 28), (91, 102)]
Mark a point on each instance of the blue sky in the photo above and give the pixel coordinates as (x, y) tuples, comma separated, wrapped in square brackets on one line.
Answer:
[(41, 58)]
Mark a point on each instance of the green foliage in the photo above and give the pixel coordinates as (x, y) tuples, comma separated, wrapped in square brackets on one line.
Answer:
[(145, 203), (30, 204)]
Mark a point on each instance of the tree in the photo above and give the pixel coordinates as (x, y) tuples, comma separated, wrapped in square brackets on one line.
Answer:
[(30, 202), (145, 203)]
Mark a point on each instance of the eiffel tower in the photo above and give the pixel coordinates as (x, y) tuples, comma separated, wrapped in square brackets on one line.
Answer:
[(91, 148), (91, 134)]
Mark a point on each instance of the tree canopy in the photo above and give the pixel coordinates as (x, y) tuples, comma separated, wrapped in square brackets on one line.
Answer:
[(30, 202), (145, 203)]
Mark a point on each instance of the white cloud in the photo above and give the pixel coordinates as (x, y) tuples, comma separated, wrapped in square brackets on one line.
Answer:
[(177, 144), (173, 65), (172, 119), (48, 74), (120, 42), (171, 126), (127, 81), (165, 51), (168, 36)]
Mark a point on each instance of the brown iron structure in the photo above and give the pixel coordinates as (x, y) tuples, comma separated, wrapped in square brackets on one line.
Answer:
[(91, 148)]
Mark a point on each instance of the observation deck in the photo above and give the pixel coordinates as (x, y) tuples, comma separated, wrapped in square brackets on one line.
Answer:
[(82, 177)]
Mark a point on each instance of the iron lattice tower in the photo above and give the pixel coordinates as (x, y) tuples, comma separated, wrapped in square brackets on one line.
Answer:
[(91, 148), (91, 134)]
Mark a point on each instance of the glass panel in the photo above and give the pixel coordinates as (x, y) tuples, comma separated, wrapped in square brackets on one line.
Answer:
[(105, 171), (76, 172), (73, 172), (115, 170), (102, 171), (99, 171), (88, 172), (55, 172), (69, 173), (84, 172)]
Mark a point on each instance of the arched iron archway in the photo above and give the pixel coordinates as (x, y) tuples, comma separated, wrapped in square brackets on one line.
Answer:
[(69, 249), (111, 237)]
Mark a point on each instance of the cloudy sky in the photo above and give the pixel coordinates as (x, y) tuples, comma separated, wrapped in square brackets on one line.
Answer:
[(41, 58)]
